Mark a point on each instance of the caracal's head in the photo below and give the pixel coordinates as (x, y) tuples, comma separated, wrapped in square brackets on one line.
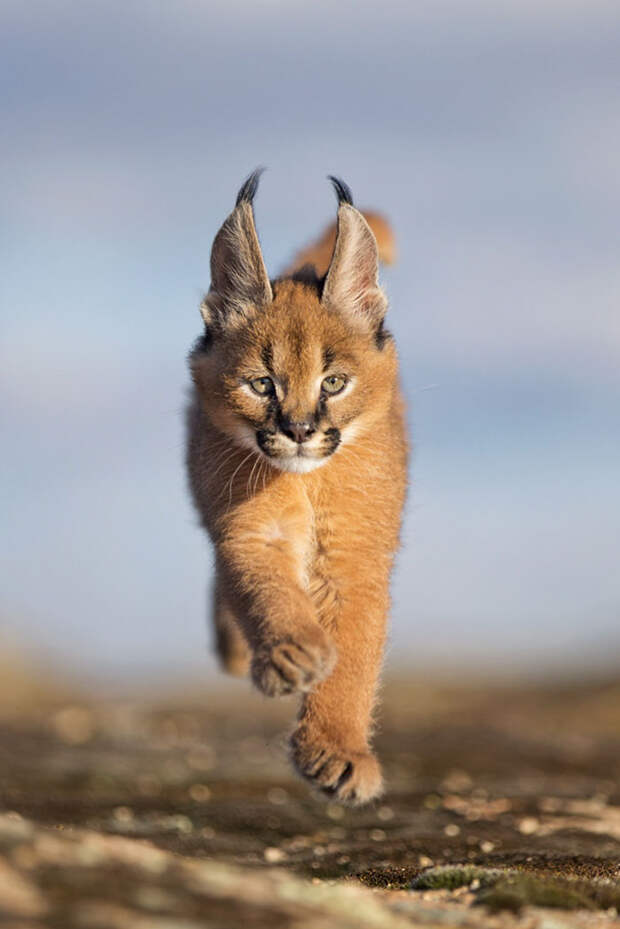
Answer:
[(295, 368)]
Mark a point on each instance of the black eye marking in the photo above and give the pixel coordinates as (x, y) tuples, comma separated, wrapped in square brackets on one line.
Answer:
[(328, 358)]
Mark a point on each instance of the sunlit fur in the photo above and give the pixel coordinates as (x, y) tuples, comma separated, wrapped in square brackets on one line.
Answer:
[(304, 533)]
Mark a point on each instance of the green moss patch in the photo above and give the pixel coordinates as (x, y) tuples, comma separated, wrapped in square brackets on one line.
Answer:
[(451, 877), (509, 889)]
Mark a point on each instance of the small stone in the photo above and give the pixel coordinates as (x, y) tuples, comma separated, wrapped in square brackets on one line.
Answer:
[(487, 847), (377, 835), (182, 823), (123, 814), (154, 898), (424, 861), (432, 802), (277, 795), (385, 813), (457, 780), (199, 793), (452, 830), (274, 855), (299, 842), (334, 811), (528, 826)]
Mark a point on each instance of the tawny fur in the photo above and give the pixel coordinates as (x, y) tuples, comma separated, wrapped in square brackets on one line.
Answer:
[(303, 560)]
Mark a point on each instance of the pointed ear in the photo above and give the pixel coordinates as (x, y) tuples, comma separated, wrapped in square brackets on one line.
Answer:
[(239, 279), (351, 285)]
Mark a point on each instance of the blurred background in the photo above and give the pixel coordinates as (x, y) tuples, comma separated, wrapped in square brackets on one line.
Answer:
[(488, 133)]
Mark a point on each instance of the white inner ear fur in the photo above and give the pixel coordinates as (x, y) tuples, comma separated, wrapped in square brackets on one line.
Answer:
[(352, 280), (239, 279)]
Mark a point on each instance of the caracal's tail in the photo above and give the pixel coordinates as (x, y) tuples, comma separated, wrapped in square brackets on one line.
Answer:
[(319, 253)]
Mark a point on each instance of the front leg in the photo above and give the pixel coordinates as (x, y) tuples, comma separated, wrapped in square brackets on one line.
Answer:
[(330, 746), (261, 558)]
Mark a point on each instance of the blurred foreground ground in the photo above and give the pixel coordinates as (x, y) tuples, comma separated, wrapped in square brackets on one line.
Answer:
[(180, 812)]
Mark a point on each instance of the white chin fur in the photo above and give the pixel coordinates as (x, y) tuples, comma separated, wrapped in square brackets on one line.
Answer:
[(297, 465)]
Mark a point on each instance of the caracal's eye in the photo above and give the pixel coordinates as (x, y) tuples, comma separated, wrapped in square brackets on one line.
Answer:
[(263, 386), (333, 384)]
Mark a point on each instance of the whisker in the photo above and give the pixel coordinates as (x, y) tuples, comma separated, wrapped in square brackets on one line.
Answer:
[(235, 472), (263, 465), (226, 459), (248, 488)]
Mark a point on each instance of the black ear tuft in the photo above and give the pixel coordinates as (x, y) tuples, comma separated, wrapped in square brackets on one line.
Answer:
[(249, 188), (343, 191)]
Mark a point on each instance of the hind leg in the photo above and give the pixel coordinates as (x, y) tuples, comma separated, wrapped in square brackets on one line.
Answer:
[(231, 647)]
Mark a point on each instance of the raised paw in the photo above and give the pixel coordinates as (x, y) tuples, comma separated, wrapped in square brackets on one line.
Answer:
[(350, 777), (293, 664)]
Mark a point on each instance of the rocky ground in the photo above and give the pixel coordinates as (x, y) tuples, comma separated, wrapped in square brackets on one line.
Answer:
[(502, 810)]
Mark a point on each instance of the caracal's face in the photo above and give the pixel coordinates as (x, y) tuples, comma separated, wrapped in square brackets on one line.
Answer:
[(294, 382)]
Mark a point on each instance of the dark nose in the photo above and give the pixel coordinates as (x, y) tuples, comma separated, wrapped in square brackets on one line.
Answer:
[(298, 432)]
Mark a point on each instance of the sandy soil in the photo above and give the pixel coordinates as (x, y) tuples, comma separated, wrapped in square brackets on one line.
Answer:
[(180, 811)]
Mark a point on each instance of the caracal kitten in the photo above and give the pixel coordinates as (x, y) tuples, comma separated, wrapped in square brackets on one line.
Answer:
[(297, 459)]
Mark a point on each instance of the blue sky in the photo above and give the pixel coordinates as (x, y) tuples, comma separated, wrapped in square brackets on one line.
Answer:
[(488, 133)]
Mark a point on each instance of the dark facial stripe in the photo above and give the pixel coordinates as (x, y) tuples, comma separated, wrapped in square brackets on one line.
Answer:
[(267, 357), (328, 358)]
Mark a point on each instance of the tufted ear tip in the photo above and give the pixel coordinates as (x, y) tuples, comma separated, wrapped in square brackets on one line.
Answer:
[(249, 187), (343, 191)]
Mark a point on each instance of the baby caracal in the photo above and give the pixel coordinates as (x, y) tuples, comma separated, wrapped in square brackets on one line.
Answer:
[(297, 460)]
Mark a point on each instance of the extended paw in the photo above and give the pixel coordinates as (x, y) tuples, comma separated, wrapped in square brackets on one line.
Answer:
[(351, 777), (293, 664)]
